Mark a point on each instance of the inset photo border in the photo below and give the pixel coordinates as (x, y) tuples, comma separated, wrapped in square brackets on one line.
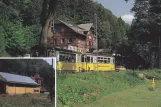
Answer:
[(29, 79)]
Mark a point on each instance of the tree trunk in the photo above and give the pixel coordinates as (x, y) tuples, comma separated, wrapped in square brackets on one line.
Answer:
[(159, 53), (46, 20), (45, 37), (152, 60)]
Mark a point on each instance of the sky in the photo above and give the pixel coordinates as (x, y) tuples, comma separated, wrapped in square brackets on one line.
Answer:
[(119, 8), (49, 60)]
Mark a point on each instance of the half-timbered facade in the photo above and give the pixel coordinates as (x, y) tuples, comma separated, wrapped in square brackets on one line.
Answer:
[(78, 38)]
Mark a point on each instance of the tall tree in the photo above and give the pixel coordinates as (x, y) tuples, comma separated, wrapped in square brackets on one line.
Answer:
[(140, 29), (146, 29), (155, 24), (47, 16)]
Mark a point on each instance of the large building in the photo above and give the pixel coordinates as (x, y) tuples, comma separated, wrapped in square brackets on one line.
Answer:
[(17, 84), (78, 38)]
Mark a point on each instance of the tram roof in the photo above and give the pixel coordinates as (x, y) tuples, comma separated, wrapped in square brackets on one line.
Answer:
[(66, 50), (70, 51), (98, 55)]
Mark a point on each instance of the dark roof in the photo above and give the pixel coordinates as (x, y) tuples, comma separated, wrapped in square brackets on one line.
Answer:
[(86, 26), (74, 28), (80, 29), (12, 78)]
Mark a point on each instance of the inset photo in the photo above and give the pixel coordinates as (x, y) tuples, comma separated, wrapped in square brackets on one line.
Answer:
[(27, 82)]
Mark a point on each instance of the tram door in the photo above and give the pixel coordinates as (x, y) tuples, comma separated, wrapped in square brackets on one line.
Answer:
[(78, 62), (89, 59), (90, 65)]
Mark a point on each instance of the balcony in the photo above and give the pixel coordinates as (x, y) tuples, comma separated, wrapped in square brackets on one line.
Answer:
[(91, 47)]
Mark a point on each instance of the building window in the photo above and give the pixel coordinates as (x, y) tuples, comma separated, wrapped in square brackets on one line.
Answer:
[(70, 40), (62, 29), (62, 40), (36, 91), (89, 44), (55, 41)]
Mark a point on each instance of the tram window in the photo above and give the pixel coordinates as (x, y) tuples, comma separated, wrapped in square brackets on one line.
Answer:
[(101, 60), (67, 57), (82, 58), (108, 60), (73, 58), (85, 59), (105, 60), (91, 59), (97, 60), (60, 57), (88, 59)]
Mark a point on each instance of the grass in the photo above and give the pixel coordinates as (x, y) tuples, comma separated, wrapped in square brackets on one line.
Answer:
[(25, 100), (140, 96), (88, 87)]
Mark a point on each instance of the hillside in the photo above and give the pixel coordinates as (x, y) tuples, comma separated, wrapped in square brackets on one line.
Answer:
[(112, 31), (115, 89), (86, 88), (20, 26)]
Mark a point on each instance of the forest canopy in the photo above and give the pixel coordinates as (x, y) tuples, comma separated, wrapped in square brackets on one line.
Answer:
[(20, 26)]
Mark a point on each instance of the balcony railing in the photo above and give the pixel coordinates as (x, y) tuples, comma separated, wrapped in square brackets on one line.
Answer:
[(91, 47)]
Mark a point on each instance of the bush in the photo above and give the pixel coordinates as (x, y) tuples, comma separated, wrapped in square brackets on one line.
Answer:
[(25, 100), (152, 72)]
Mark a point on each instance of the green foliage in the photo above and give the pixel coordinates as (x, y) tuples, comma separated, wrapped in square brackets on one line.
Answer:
[(2, 40), (19, 38), (16, 37), (87, 87), (150, 73), (146, 29), (21, 19), (111, 30)]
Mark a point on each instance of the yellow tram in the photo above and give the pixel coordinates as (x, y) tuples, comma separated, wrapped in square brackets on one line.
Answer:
[(70, 61)]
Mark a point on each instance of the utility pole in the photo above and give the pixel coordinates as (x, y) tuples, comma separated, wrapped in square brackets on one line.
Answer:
[(52, 82), (159, 55), (96, 34), (96, 40)]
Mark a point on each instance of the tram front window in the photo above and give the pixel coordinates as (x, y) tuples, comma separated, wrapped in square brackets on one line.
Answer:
[(67, 57)]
